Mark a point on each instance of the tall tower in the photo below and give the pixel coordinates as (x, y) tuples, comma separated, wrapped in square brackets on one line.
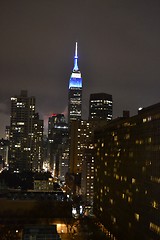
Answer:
[(26, 134), (75, 92), (57, 142)]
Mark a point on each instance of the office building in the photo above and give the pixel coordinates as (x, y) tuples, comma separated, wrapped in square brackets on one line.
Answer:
[(82, 155), (26, 134), (80, 136), (87, 180), (7, 132), (64, 163), (4, 147), (56, 121), (100, 106), (127, 178), (57, 143), (75, 92)]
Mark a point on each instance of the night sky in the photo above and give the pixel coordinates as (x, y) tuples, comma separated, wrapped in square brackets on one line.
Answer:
[(118, 49)]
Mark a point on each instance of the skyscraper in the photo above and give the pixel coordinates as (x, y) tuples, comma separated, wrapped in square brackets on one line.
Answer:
[(57, 141), (4, 146), (75, 92), (26, 134), (100, 106)]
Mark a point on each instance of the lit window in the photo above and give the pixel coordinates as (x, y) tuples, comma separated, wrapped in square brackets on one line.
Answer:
[(154, 227), (133, 180), (136, 216), (155, 204)]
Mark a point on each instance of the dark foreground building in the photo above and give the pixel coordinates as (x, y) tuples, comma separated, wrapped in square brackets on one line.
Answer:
[(40, 233), (127, 176), (34, 208)]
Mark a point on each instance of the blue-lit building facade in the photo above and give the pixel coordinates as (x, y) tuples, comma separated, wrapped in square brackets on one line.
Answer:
[(75, 92)]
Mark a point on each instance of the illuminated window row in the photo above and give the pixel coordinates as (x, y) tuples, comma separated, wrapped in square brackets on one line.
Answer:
[(154, 228)]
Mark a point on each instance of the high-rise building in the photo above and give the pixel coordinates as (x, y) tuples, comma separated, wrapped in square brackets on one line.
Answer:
[(127, 177), (26, 134), (81, 136), (100, 106), (82, 154), (4, 146), (57, 142), (75, 92), (56, 121)]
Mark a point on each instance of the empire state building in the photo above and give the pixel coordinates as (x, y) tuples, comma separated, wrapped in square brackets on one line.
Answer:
[(75, 92)]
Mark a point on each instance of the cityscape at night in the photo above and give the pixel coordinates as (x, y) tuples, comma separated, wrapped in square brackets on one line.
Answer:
[(79, 120)]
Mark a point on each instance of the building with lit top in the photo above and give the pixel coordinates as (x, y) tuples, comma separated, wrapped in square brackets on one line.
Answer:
[(26, 135), (127, 176), (75, 92), (100, 106)]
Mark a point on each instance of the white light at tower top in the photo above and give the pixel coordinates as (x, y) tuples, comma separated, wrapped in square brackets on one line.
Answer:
[(75, 79), (76, 58)]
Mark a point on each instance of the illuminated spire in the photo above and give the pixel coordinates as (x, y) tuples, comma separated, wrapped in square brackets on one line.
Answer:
[(76, 60)]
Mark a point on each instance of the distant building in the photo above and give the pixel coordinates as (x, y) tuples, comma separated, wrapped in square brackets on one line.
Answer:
[(7, 132), (100, 106), (87, 180), (75, 92), (64, 163), (57, 143), (56, 121), (4, 148), (26, 134), (43, 185), (82, 154), (80, 134), (127, 179)]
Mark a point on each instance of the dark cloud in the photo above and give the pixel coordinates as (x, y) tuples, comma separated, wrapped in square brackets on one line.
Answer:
[(118, 48)]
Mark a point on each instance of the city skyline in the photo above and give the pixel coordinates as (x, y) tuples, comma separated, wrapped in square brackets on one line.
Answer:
[(118, 46)]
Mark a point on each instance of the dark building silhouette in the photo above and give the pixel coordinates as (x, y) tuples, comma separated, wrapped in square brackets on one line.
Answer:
[(57, 144), (127, 177), (39, 232), (100, 106)]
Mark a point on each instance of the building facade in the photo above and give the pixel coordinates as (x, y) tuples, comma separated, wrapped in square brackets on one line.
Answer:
[(26, 135), (82, 154), (100, 106), (127, 177), (4, 148), (57, 144), (80, 134), (75, 92)]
